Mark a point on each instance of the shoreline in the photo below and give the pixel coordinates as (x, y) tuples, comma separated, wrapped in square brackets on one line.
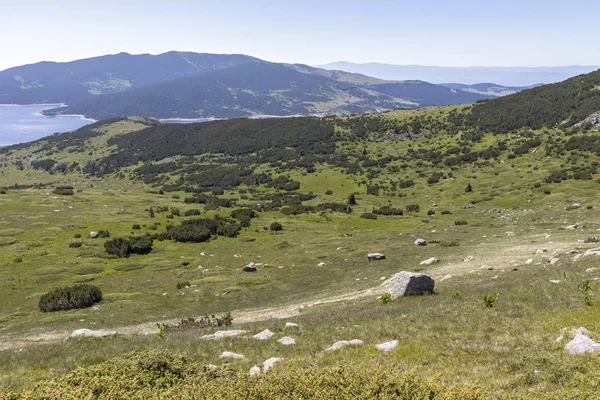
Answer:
[(80, 116), (54, 105)]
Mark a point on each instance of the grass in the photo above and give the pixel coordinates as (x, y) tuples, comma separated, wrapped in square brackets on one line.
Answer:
[(449, 337)]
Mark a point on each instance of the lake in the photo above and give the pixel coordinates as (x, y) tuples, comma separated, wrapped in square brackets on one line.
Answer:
[(20, 124)]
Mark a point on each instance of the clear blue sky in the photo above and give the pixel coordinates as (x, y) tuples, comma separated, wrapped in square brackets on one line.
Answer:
[(428, 32)]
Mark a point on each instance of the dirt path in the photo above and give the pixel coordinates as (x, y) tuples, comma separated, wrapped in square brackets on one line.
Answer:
[(239, 317)]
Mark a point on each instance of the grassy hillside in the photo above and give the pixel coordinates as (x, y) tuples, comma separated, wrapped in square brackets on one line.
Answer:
[(303, 172), (560, 104)]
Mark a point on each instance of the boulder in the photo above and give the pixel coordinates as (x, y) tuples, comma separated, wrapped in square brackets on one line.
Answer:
[(553, 261), (270, 363), (408, 283), (321, 264), (250, 267), (387, 346), (375, 256), (581, 344), (344, 343), (575, 205), (93, 235), (223, 334), (286, 341), (429, 261), (486, 268), (91, 333), (264, 335), (229, 354), (255, 371), (421, 242)]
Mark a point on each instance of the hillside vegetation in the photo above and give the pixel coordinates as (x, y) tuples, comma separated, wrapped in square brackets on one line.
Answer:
[(166, 220)]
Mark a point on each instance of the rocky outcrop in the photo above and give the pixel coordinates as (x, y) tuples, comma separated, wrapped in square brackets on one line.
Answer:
[(387, 346), (229, 354), (429, 261), (375, 256), (593, 119), (344, 343), (223, 334), (409, 283), (264, 335), (91, 333)]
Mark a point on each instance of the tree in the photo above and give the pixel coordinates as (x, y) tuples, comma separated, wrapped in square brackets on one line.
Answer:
[(469, 188), (352, 200)]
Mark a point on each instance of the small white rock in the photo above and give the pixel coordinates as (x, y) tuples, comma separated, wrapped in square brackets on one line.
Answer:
[(229, 354), (270, 363), (344, 343), (264, 335), (387, 346), (287, 341), (255, 371)]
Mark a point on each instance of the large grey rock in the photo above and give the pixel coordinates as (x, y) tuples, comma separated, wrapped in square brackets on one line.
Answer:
[(582, 344), (286, 341), (344, 343), (223, 334), (91, 333), (375, 256), (408, 283)]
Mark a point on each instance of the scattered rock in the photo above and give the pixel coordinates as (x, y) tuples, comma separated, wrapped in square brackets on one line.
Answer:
[(554, 280), (591, 252), (344, 343), (486, 268), (223, 334), (469, 258), (577, 257), (95, 308), (93, 235), (571, 227), (387, 346), (286, 341), (229, 354), (321, 264), (409, 283), (421, 242), (250, 267), (590, 270), (581, 344), (375, 256), (270, 363), (293, 325), (90, 333), (575, 205), (429, 261), (529, 261), (264, 335), (495, 277), (445, 278), (553, 261), (255, 371)]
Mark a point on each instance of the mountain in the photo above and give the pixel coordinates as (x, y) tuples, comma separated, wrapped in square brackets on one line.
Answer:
[(268, 89), (506, 76), (194, 85), (560, 104), (489, 89), (70, 82)]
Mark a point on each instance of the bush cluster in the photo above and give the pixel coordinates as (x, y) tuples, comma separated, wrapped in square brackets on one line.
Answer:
[(78, 296), (124, 247)]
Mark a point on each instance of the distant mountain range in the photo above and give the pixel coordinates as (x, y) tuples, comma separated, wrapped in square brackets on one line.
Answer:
[(193, 85), (504, 76), (489, 89)]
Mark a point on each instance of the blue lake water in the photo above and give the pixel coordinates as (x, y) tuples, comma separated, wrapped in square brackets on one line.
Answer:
[(20, 124)]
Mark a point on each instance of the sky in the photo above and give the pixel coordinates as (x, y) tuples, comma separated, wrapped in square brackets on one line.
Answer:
[(314, 32)]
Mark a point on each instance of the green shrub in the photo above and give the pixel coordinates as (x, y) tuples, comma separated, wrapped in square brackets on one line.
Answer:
[(182, 284), (413, 208), (103, 233), (446, 212), (124, 247), (189, 213), (275, 227), (63, 190), (460, 222), (368, 216), (352, 200), (490, 299), (207, 321), (388, 210), (78, 296), (136, 227), (386, 298), (75, 245)]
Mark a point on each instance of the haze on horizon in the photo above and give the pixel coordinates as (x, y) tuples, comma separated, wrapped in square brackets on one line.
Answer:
[(432, 32)]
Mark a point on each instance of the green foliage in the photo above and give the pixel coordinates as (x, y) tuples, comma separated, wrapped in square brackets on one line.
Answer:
[(63, 190), (161, 374), (124, 247), (207, 321), (276, 227), (68, 298), (455, 294), (469, 188), (460, 222), (388, 210), (75, 245), (182, 284), (352, 200), (192, 212), (490, 299), (386, 298), (585, 288), (413, 208), (103, 233), (368, 215), (136, 227)]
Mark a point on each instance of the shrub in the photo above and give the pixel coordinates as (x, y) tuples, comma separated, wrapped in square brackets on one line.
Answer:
[(386, 298), (413, 208), (124, 247), (469, 188), (329, 192), (368, 216), (189, 213), (275, 227), (183, 284), (455, 294), (136, 227), (446, 212), (490, 299), (103, 233), (352, 200), (207, 321), (388, 210), (63, 190), (75, 245), (431, 212), (78, 296), (460, 222), (77, 235), (140, 245), (373, 190)]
